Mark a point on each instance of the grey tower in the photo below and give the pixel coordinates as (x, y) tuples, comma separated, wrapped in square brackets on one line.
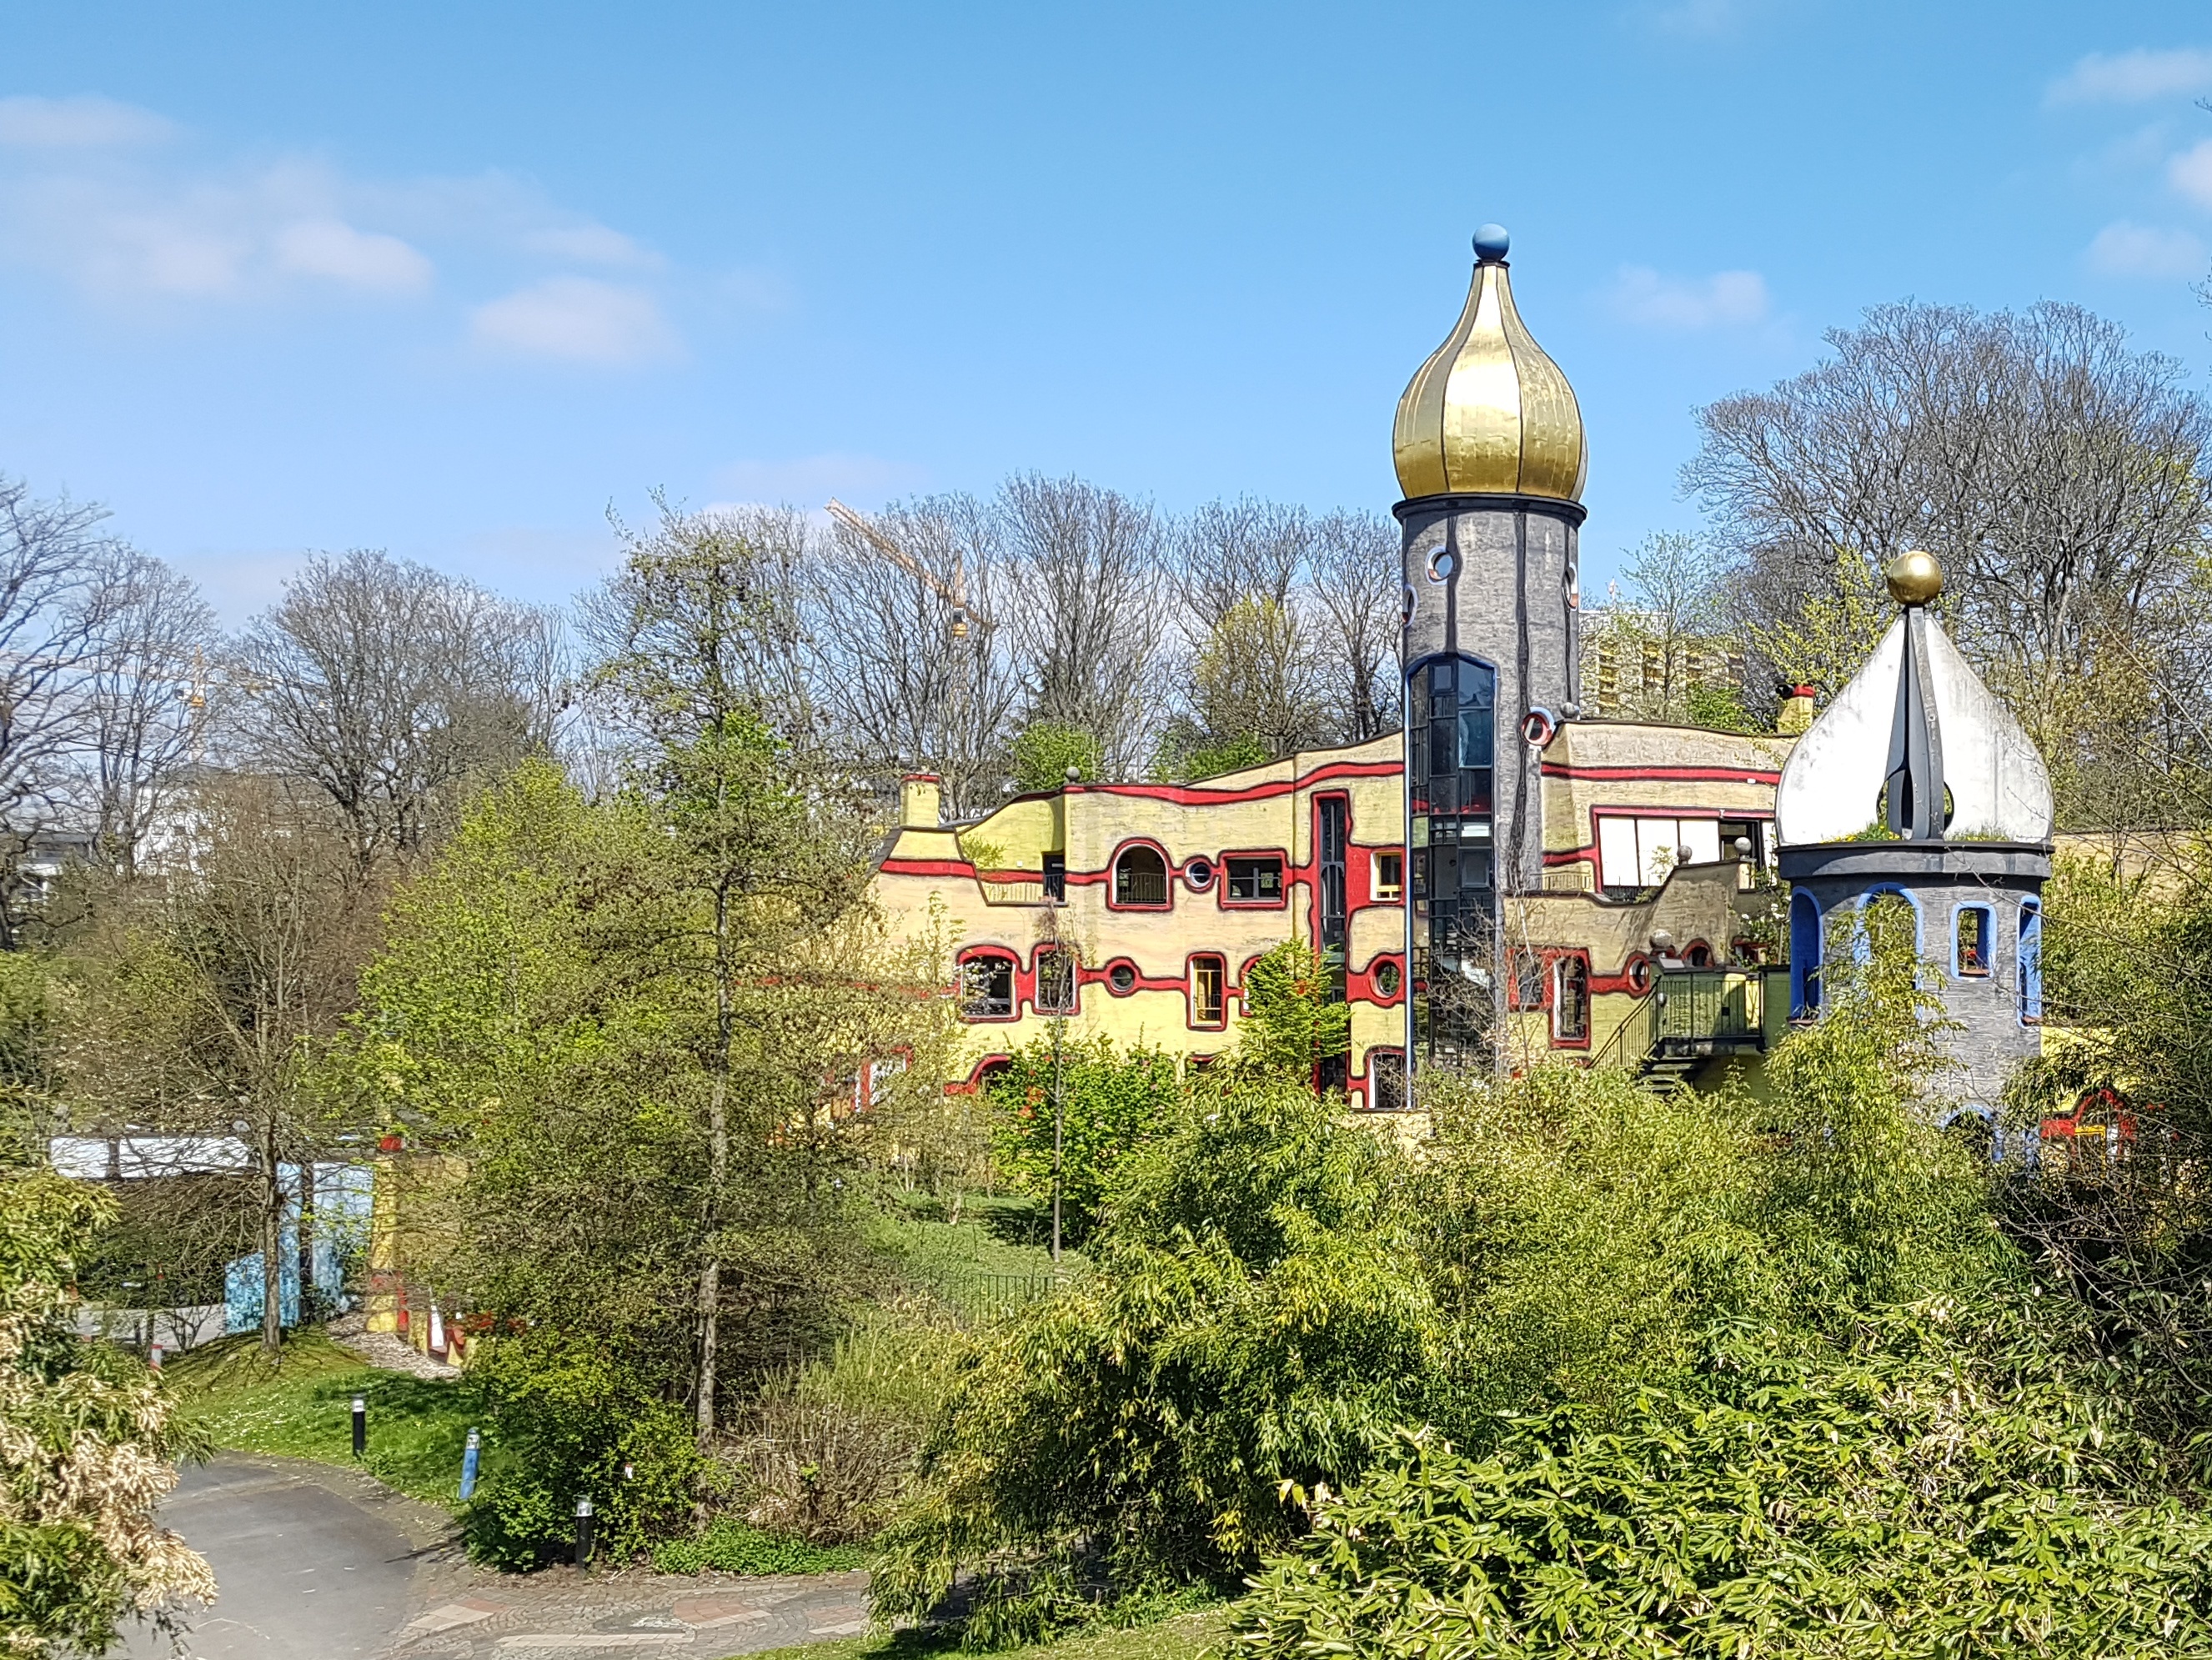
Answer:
[(1489, 451)]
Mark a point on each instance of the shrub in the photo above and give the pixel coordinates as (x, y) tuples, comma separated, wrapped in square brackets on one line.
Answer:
[(1256, 1319), (1111, 1104), (729, 1546), (1293, 1020), (1910, 1493), (569, 1418)]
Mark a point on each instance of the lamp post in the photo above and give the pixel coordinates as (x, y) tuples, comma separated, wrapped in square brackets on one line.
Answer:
[(359, 1425), (584, 1531)]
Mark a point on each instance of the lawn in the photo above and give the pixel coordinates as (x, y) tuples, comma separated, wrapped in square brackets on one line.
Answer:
[(984, 1263), (302, 1407), (1185, 1637)]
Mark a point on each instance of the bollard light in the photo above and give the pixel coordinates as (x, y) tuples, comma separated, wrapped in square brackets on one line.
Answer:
[(469, 1465), (359, 1425), (584, 1530)]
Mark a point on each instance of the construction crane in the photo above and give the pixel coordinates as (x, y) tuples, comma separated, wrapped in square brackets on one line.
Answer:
[(956, 595)]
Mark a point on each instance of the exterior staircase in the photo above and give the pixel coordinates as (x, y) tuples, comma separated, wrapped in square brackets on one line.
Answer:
[(1697, 1015)]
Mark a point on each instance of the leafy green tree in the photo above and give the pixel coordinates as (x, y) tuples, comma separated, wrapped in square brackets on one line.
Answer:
[(1935, 1484), (1256, 1318), (87, 1441), (1110, 1106), (1045, 750), (1293, 1018)]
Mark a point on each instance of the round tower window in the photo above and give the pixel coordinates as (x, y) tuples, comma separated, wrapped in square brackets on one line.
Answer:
[(1122, 978), (1199, 873), (1443, 565), (1386, 979)]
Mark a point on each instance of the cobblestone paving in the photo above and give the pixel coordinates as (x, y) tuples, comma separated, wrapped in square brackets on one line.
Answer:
[(558, 1614)]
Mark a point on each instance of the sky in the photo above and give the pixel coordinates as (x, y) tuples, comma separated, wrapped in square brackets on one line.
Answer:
[(455, 281)]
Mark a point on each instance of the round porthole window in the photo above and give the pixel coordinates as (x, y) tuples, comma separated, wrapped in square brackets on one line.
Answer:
[(1122, 978), (1199, 873), (1640, 975), (1386, 979), (1443, 565)]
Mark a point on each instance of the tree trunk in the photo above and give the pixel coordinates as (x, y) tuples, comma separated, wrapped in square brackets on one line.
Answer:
[(307, 1226), (718, 1173), (272, 1243)]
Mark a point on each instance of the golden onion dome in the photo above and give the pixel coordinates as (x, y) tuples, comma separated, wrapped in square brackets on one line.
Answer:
[(1489, 413)]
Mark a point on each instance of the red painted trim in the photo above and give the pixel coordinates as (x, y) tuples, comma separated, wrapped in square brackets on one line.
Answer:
[(1143, 982), (968, 954), (1359, 983), (1680, 775), (1194, 795), (1552, 997), (974, 1083), (927, 867)]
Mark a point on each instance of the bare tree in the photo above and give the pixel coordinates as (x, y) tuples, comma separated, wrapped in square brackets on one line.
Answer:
[(1086, 614), (1355, 580), (1228, 551), (144, 696), (199, 1000), (387, 686), (2059, 475), (903, 682)]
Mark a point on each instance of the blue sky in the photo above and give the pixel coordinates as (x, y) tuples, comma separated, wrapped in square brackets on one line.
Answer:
[(449, 280)]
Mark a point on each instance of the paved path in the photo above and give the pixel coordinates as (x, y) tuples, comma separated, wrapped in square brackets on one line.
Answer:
[(315, 1561)]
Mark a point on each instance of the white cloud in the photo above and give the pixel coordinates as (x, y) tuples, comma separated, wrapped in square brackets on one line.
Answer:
[(590, 244), (363, 259), (1725, 300), (2133, 77), (2191, 172), (2122, 249), (577, 320), (85, 123), (813, 479)]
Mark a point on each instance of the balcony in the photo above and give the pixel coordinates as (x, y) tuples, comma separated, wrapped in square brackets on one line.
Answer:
[(1697, 1015)]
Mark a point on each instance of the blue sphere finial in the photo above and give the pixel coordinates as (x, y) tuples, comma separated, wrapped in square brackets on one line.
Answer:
[(1490, 243)]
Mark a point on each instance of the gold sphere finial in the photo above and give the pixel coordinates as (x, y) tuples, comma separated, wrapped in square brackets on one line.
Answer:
[(1915, 578)]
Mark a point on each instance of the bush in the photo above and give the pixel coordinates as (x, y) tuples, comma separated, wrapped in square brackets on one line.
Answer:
[(1928, 1489), (1256, 1318), (728, 1546), (1110, 1106), (569, 1418)]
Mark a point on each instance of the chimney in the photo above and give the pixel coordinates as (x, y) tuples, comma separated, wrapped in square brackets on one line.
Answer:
[(919, 801), (1797, 712)]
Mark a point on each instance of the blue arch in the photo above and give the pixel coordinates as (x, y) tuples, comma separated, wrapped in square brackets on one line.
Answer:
[(2030, 959), (1804, 956), (1861, 945)]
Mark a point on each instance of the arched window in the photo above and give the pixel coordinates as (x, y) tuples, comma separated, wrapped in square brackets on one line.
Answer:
[(1140, 877), (2030, 962), (987, 987), (1804, 956)]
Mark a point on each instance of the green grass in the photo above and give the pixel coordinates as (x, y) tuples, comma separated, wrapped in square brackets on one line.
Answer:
[(730, 1546), (1184, 1636), (971, 1265), (301, 1408)]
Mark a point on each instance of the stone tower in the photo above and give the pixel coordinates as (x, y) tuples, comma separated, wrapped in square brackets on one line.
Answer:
[(1489, 454), (1917, 782)]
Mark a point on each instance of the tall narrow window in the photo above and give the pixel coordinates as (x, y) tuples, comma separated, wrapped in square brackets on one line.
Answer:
[(2030, 962), (1056, 980), (1140, 878), (1056, 878), (1569, 1001), (1209, 992), (1333, 828), (1972, 941), (1385, 1080), (1450, 749), (1804, 958)]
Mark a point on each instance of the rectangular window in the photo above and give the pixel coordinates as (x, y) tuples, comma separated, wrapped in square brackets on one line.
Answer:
[(1056, 980), (1255, 881), (1389, 876), (986, 988), (1569, 1001), (1639, 853), (2030, 961), (1974, 935), (1209, 992), (1056, 878), (1333, 828)]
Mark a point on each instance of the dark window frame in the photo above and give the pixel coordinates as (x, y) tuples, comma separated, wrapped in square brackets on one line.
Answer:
[(1254, 861), (1072, 1002), (1114, 877), (999, 958), (1219, 964)]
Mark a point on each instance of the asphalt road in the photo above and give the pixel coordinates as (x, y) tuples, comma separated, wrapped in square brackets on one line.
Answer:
[(310, 1562)]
